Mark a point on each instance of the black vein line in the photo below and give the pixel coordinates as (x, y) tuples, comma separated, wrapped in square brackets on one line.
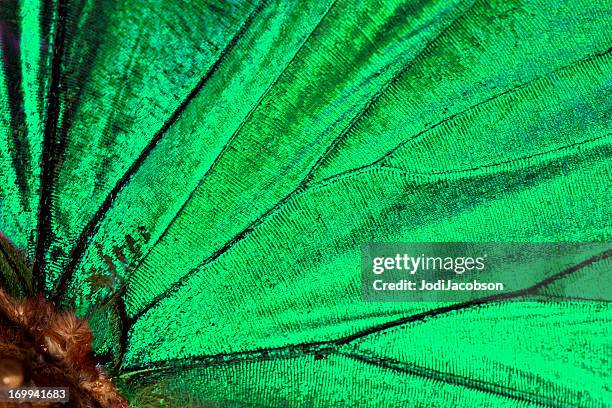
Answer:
[(304, 185), (17, 270), (332, 346), (231, 140), (565, 299), (250, 113), (97, 23), (93, 225), (531, 290), (121, 291), (453, 379), (124, 331), (517, 88), (301, 186), (52, 150), (547, 155), (336, 143), (265, 354), (226, 247), (10, 42), (377, 95)]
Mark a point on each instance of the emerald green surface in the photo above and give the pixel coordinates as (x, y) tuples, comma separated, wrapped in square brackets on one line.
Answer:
[(197, 178)]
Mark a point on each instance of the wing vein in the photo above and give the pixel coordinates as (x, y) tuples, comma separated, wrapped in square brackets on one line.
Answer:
[(332, 346), (93, 225), (52, 150), (303, 186), (231, 139), (453, 379), (344, 134)]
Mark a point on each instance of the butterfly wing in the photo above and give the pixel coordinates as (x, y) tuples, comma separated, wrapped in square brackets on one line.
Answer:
[(199, 178)]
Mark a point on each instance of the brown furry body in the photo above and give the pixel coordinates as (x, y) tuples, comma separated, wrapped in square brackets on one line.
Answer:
[(42, 347)]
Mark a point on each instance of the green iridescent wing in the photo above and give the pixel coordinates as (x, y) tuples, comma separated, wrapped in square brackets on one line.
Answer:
[(197, 178)]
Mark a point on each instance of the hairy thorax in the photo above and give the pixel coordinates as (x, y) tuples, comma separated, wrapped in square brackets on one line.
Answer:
[(43, 347)]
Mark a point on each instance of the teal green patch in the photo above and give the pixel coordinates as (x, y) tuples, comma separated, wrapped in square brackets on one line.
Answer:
[(197, 179)]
